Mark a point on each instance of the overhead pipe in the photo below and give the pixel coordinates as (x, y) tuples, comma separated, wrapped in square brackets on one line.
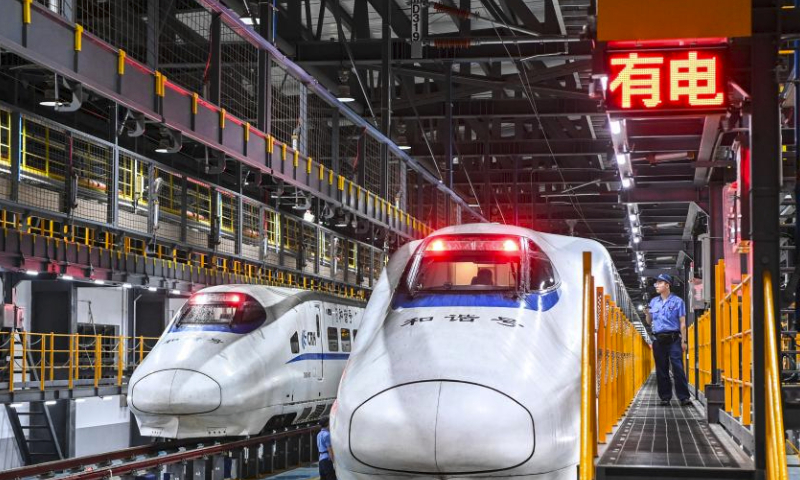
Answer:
[(455, 42), (244, 31)]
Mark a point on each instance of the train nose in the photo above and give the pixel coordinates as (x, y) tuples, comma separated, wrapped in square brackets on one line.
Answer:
[(176, 392), (444, 427)]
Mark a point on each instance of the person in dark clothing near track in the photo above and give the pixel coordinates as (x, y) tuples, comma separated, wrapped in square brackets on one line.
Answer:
[(326, 471), (667, 317)]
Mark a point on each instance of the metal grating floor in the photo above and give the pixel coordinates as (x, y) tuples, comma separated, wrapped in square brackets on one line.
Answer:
[(669, 436)]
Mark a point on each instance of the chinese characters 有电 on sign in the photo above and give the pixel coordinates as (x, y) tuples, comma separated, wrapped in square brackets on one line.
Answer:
[(666, 80)]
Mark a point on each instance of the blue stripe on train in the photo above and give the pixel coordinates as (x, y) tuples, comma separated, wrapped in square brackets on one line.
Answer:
[(320, 356), (535, 301)]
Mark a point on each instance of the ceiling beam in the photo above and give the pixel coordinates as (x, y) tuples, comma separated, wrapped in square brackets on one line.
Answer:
[(511, 108), (682, 194), (368, 52)]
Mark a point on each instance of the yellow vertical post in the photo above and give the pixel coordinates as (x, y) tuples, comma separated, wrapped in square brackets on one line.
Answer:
[(42, 360), (24, 377), (71, 341), (609, 358), (719, 289), (77, 355), (747, 353), (776, 446), (98, 358), (735, 363), (11, 362), (120, 358), (588, 441), (52, 355), (141, 349), (726, 354), (601, 353)]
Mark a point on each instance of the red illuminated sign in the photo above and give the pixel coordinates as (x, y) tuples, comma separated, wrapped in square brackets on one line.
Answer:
[(666, 80)]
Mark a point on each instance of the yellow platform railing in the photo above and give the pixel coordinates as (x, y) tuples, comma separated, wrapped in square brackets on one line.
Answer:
[(100, 359), (735, 344), (615, 363)]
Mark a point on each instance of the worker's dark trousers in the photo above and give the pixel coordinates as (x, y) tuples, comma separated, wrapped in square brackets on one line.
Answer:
[(326, 471), (666, 354)]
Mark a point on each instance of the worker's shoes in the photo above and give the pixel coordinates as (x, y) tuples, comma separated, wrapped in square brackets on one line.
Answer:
[(686, 403), (665, 403)]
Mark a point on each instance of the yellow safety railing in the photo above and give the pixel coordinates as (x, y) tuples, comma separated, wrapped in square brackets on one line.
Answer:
[(615, 362), (735, 336), (776, 435), (700, 353), (101, 359)]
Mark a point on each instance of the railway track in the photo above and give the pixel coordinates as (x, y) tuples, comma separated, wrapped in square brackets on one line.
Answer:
[(249, 456)]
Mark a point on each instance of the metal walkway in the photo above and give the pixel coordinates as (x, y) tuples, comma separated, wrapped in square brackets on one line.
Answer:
[(655, 441)]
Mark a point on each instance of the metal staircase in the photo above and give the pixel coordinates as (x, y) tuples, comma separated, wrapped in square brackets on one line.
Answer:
[(33, 427)]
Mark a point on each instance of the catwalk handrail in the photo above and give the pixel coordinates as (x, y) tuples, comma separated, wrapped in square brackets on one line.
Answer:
[(776, 441), (615, 363), (101, 359)]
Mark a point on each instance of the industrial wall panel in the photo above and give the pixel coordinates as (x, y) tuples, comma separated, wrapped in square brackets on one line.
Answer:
[(180, 108), (137, 86), (58, 42), (257, 149), (92, 60), (206, 122), (10, 23), (233, 136)]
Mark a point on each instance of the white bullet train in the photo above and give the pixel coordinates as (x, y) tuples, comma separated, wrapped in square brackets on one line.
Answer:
[(468, 361), (239, 359)]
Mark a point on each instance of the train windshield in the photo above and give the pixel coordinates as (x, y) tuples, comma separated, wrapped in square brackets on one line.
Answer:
[(222, 310), (469, 264)]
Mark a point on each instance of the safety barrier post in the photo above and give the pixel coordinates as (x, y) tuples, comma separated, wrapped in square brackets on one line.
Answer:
[(98, 356), (609, 358), (735, 362), (24, 377), (141, 349), (120, 359), (70, 373), (588, 439), (42, 361), (11, 365), (52, 355), (776, 435), (603, 362), (747, 352)]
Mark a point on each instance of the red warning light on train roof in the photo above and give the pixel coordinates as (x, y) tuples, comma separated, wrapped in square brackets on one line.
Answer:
[(666, 80)]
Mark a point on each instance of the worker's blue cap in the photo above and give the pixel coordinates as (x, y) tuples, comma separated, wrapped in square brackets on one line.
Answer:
[(665, 277)]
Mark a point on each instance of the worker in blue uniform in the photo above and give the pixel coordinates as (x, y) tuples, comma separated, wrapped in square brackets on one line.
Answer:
[(326, 471), (667, 317)]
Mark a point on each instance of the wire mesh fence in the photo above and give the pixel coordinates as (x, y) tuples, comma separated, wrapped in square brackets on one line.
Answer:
[(228, 221), (239, 59), (168, 189), (319, 129), (285, 105), (198, 213), (372, 165), (251, 230), (133, 201), (43, 165), (92, 165), (122, 23), (350, 137), (184, 46)]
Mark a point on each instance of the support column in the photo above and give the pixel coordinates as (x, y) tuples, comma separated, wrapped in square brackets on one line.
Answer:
[(264, 93), (387, 91), (716, 228), (765, 175), (215, 61), (449, 139)]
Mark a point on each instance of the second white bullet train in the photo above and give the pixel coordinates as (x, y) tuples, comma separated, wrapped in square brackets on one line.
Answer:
[(468, 362), (238, 359)]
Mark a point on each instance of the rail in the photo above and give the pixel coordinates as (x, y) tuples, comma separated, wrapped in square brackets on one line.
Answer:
[(735, 345), (100, 467), (615, 363), (776, 436), (36, 360)]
